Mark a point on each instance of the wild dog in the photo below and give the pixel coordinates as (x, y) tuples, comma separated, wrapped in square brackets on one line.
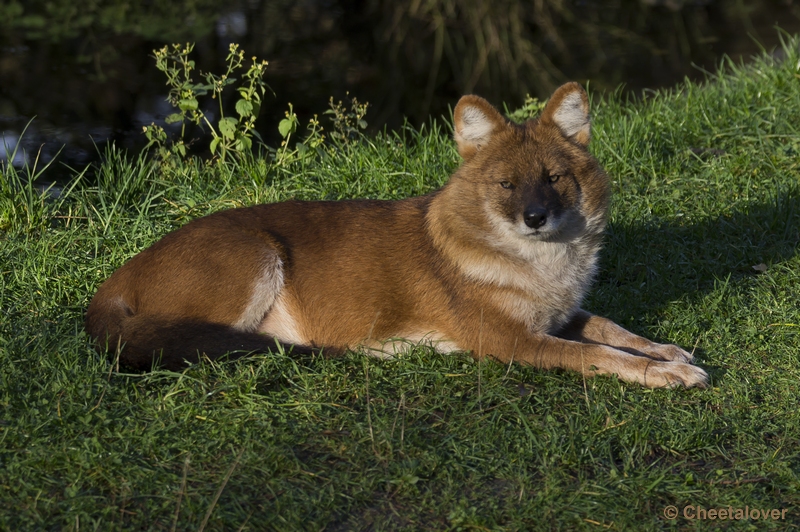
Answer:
[(496, 263)]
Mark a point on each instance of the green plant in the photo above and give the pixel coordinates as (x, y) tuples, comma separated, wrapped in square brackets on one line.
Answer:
[(234, 134), (347, 123), (230, 134), (313, 142), (530, 108)]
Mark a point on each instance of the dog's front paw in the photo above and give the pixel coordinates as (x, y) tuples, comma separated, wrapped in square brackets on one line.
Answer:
[(668, 352), (670, 375)]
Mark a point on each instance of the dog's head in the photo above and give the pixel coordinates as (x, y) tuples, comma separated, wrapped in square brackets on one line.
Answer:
[(537, 180)]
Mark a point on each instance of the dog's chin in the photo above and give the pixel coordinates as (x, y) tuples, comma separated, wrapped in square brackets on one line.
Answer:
[(536, 234), (548, 233), (542, 236)]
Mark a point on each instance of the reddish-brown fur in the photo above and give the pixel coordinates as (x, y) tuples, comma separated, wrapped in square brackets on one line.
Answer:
[(496, 263)]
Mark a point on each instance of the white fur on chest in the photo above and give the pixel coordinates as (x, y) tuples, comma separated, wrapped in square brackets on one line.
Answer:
[(542, 284)]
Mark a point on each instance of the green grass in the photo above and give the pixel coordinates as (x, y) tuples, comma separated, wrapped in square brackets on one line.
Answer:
[(707, 185)]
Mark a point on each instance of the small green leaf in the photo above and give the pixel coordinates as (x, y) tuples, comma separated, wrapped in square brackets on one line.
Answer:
[(362, 124), (214, 144), (243, 143), (227, 126), (188, 104), (244, 108), (287, 126), (174, 117)]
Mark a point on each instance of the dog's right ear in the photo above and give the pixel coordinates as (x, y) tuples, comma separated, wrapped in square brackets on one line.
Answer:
[(475, 123)]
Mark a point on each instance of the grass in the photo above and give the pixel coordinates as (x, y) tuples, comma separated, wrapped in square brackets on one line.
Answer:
[(707, 187)]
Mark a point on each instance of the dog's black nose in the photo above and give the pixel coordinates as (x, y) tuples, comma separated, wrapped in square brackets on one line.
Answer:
[(535, 217)]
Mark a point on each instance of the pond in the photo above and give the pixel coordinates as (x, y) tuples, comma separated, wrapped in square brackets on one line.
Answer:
[(79, 78)]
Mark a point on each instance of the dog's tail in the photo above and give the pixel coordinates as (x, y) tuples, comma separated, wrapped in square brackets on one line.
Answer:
[(147, 341)]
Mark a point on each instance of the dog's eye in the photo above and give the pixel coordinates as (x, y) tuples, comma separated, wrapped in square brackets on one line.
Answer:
[(554, 177), (507, 184)]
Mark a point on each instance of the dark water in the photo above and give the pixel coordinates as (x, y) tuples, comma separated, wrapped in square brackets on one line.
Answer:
[(86, 75)]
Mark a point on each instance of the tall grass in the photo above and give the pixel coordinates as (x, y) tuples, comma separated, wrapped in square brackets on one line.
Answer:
[(25, 205), (701, 251)]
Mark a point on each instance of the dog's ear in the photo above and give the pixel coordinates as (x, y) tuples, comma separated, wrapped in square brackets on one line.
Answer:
[(568, 110), (475, 123)]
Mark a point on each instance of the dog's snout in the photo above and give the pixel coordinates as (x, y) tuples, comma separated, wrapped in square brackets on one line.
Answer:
[(535, 217)]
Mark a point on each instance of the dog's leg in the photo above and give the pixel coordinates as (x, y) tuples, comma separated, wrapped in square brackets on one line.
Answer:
[(588, 328), (205, 294), (505, 342), (596, 359)]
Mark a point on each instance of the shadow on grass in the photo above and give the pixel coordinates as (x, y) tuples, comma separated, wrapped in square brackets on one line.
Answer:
[(644, 267)]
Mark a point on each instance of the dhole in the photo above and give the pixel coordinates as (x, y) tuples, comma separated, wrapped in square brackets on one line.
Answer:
[(496, 263)]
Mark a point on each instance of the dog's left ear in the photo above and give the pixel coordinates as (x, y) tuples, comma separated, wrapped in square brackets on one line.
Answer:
[(568, 110)]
